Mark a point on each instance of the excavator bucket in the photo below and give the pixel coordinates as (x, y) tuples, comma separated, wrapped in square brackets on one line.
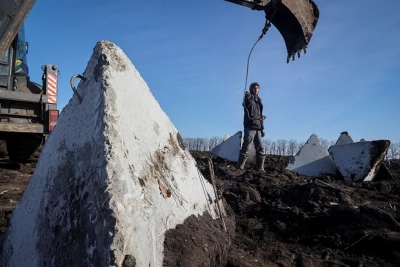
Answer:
[(12, 15), (294, 19)]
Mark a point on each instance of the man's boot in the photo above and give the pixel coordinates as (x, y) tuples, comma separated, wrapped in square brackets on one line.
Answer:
[(241, 162), (260, 162)]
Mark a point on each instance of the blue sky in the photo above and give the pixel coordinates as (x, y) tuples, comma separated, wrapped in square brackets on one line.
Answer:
[(193, 56)]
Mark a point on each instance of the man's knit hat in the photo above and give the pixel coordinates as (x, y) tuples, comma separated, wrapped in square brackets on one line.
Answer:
[(252, 85)]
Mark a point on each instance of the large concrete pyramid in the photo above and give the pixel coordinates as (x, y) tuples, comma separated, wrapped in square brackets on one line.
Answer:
[(344, 139), (312, 159), (113, 177), (230, 149), (360, 161)]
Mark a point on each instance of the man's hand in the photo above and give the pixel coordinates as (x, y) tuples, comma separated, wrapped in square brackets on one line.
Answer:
[(262, 133)]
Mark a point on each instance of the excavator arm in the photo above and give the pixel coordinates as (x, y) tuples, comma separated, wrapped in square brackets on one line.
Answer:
[(294, 19), (12, 14)]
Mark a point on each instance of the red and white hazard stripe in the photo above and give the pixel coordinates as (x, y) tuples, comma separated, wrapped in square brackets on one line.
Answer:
[(52, 88)]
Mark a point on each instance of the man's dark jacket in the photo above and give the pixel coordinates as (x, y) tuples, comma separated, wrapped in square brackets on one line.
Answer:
[(253, 109)]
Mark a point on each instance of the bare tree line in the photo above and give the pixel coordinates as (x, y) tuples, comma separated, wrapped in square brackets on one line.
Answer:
[(394, 151), (279, 147), (201, 143)]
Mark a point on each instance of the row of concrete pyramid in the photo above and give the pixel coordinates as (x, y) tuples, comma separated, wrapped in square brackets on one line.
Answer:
[(352, 160)]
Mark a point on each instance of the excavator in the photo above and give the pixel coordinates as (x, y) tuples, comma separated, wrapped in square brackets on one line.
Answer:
[(295, 20), (28, 111)]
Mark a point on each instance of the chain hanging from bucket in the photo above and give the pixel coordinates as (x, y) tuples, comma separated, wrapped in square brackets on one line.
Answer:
[(263, 32)]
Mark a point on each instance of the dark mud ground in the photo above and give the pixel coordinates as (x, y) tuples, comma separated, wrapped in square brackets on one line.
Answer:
[(280, 218)]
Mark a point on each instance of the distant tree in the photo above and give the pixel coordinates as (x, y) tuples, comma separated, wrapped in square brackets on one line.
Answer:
[(187, 142), (326, 143), (393, 151), (292, 147), (200, 143), (273, 150), (300, 145), (214, 141), (267, 145), (194, 143), (282, 146)]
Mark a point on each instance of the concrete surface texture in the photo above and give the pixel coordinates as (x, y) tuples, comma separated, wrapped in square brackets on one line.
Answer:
[(313, 159), (112, 178), (344, 139), (229, 149), (359, 160)]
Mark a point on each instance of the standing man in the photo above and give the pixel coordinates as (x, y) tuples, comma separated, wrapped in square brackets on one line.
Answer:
[(253, 127)]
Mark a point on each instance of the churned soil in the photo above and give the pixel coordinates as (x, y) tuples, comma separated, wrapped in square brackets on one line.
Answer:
[(14, 178), (285, 219), (276, 218)]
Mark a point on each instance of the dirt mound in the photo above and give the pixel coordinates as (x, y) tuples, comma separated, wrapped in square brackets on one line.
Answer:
[(14, 178), (282, 219)]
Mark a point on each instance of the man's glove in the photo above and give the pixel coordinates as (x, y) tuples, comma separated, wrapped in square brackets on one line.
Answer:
[(262, 133)]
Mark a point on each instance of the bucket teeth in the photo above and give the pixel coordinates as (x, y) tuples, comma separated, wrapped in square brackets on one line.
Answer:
[(298, 53), (295, 20)]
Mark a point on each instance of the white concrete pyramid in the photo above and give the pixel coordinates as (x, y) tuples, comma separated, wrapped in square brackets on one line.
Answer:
[(312, 159), (229, 149), (344, 139), (112, 178), (359, 160)]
